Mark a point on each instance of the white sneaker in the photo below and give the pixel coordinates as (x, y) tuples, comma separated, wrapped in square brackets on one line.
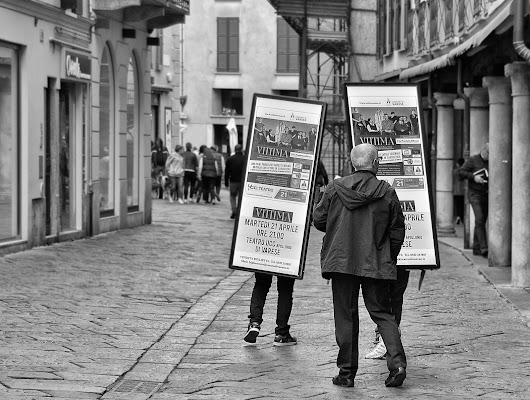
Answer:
[(186, 201), (171, 199), (180, 201), (378, 352)]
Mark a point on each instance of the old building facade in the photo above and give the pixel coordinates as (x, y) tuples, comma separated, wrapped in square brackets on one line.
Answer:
[(75, 89)]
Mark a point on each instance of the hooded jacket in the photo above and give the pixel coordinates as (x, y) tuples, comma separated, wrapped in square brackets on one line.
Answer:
[(364, 227)]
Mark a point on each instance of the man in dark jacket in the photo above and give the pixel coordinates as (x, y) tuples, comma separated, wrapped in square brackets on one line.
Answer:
[(233, 172), (475, 170), (365, 229)]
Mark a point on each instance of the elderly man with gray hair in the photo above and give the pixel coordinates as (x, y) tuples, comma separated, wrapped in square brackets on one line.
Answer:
[(365, 229)]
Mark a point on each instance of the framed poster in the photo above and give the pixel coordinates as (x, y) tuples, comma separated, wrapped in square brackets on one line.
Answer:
[(168, 128), (389, 116), (283, 147)]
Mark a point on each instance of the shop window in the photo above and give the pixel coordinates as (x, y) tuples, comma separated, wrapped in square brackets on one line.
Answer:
[(132, 138), (228, 44), (106, 137), (9, 163), (288, 54)]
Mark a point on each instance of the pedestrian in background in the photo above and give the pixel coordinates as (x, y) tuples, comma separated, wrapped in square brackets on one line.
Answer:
[(220, 170), (191, 164), (208, 172), (233, 176), (475, 170), (365, 228), (175, 171), (159, 155), (198, 183), (458, 192)]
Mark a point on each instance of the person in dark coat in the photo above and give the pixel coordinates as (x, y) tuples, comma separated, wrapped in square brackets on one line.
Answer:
[(475, 170), (233, 176), (159, 155), (208, 172), (365, 229)]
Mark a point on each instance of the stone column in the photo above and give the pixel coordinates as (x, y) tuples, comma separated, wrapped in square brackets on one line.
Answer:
[(500, 171), (478, 134), (519, 72), (444, 163), (478, 118)]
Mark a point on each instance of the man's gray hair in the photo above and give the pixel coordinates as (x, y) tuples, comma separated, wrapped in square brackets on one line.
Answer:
[(363, 155)]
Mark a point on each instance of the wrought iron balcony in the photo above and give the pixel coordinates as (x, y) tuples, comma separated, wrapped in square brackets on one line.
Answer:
[(157, 14)]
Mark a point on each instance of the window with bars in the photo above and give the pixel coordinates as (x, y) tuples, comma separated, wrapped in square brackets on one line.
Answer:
[(422, 42), (228, 44), (381, 28), (288, 53), (393, 29), (447, 18), (433, 23)]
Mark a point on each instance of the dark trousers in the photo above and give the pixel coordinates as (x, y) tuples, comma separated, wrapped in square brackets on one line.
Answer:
[(235, 187), (208, 188), (285, 301), (459, 206), (346, 314), (218, 186), (190, 178), (396, 291), (479, 204)]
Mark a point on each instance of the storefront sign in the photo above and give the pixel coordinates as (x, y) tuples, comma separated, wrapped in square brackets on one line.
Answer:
[(283, 148), (389, 117), (77, 65)]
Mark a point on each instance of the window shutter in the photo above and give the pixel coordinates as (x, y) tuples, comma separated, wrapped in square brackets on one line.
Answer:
[(233, 44), (222, 44)]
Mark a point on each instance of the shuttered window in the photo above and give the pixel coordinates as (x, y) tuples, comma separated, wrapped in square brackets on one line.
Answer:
[(228, 44), (288, 53)]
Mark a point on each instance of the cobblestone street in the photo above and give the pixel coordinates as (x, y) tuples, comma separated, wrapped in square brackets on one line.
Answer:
[(155, 313)]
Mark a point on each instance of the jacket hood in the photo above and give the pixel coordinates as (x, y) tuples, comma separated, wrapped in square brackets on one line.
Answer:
[(360, 188)]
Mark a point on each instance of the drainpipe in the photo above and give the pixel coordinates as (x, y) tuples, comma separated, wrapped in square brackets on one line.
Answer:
[(465, 137), (432, 154), (518, 31)]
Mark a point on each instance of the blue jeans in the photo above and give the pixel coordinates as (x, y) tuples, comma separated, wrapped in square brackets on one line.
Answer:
[(479, 204), (285, 301)]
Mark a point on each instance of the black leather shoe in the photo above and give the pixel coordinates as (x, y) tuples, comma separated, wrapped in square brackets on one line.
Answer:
[(341, 381), (396, 377), (477, 253), (485, 254)]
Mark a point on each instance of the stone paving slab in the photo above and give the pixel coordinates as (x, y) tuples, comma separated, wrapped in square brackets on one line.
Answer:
[(154, 313)]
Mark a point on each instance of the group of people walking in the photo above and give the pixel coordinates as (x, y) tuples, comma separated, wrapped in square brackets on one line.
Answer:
[(352, 258), (191, 174), (364, 230)]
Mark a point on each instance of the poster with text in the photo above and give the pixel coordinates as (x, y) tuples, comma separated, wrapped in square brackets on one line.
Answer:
[(389, 117), (283, 147)]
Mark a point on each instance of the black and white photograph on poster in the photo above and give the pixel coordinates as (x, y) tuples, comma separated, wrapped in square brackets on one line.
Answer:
[(272, 227), (388, 117)]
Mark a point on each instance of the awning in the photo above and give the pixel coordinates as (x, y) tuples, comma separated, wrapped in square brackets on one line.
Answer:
[(111, 5), (427, 67), (501, 14), (312, 8)]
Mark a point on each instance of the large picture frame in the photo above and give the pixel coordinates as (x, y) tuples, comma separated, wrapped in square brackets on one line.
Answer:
[(390, 116), (273, 220)]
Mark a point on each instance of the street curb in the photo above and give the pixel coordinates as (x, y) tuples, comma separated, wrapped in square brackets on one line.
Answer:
[(499, 278), (156, 364)]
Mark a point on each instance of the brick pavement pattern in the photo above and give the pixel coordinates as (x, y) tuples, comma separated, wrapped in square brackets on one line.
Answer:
[(155, 313)]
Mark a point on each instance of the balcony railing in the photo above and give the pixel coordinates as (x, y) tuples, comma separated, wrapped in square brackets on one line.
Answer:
[(434, 22)]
